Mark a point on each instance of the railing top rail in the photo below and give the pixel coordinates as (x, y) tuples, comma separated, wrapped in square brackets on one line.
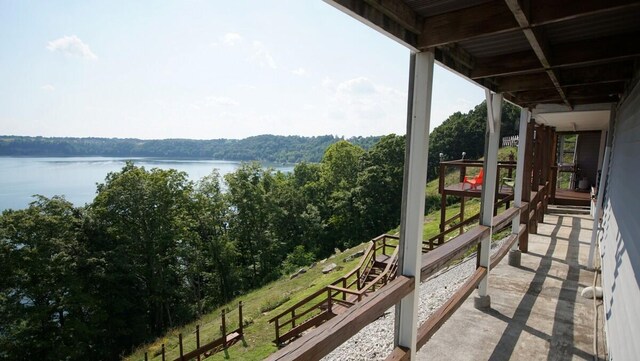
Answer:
[(435, 260), (324, 339), (299, 303)]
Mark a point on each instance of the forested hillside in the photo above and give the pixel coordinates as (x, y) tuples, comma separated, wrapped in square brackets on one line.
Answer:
[(155, 250), (266, 148)]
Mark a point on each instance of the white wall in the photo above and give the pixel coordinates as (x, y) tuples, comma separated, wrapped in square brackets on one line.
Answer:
[(620, 242)]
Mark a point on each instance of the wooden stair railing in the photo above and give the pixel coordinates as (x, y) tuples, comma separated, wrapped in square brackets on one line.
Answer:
[(318, 307)]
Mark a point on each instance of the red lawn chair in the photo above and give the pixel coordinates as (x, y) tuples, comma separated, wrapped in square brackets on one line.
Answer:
[(475, 181)]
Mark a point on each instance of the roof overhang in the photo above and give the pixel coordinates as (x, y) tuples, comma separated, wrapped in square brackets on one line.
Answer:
[(561, 54)]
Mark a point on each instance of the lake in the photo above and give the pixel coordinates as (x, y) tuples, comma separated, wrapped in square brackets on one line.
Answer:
[(76, 177)]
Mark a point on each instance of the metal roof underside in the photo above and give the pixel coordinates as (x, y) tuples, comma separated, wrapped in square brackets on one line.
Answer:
[(537, 52)]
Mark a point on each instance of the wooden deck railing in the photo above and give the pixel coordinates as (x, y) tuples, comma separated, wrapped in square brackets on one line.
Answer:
[(318, 307), (321, 341)]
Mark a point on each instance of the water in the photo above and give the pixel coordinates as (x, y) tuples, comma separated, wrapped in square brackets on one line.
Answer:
[(76, 177)]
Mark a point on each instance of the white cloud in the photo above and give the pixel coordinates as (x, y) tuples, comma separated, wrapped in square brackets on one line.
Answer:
[(299, 72), (48, 88), (261, 55), (360, 85), (72, 45), (231, 39), (359, 100), (221, 101)]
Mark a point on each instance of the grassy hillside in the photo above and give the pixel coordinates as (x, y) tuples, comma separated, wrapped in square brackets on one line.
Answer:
[(283, 293)]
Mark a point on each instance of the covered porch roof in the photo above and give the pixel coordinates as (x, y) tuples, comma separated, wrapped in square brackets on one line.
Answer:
[(552, 56)]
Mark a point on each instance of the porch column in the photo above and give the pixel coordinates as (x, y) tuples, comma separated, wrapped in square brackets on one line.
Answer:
[(525, 116), (491, 144), (601, 188), (413, 192), (526, 185)]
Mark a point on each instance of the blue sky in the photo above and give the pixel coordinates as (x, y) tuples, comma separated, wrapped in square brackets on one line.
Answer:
[(204, 69)]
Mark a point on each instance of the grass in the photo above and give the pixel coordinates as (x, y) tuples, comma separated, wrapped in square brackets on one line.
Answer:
[(259, 333), (262, 304)]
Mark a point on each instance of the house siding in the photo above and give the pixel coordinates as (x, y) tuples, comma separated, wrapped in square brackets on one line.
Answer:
[(620, 238)]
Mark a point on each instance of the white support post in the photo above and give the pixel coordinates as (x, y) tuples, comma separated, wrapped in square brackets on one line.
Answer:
[(601, 188), (596, 213), (413, 192), (525, 116), (492, 142)]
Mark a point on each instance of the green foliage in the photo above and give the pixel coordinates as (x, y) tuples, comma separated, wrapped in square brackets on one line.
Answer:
[(296, 259), (267, 148), (466, 133)]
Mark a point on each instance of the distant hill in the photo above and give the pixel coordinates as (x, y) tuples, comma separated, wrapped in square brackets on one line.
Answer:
[(267, 148)]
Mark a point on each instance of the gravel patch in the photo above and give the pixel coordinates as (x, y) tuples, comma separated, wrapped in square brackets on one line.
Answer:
[(375, 341)]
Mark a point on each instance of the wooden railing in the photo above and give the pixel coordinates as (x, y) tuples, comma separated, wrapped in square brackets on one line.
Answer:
[(342, 327), (228, 339), (317, 308)]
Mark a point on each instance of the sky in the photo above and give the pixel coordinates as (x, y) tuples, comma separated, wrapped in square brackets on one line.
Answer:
[(205, 70)]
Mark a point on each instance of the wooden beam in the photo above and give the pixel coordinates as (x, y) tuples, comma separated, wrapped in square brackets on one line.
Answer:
[(322, 340), (596, 51), (494, 17), (377, 19), (551, 11), (595, 74), (538, 44), (508, 64), (523, 82), (399, 12), (489, 18)]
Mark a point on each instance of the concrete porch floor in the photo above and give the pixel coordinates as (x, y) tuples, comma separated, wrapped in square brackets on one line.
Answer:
[(537, 312)]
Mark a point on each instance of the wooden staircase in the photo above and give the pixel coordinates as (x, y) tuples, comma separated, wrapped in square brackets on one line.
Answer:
[(376, 268)]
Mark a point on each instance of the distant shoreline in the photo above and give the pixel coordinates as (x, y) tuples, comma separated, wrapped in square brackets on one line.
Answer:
[(262, 148)]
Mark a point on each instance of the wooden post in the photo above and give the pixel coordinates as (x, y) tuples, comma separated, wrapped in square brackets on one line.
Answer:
[(443, 202), (241, 323), (198, 339), (463, 173), (163, 352), (293, 318), (181, 349), (277, 332), (224, 324), (224, 333), (329, 301), (146, 357), (554, 165)]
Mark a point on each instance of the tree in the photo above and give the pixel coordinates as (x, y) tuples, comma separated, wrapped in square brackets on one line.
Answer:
[(379, 186), (45, 313), (139, 221)]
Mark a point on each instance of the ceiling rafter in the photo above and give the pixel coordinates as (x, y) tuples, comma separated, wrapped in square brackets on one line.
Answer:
[(400, 12), (391, 17), (454, 26), (538, 44), (596, 74), (495, 17)]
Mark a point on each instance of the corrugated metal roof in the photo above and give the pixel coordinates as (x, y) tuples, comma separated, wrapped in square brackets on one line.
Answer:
[(436, 7), (496, 44), (594, 26)]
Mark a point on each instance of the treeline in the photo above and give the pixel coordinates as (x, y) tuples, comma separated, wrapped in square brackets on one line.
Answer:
[(154, 250), (266, 148)]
